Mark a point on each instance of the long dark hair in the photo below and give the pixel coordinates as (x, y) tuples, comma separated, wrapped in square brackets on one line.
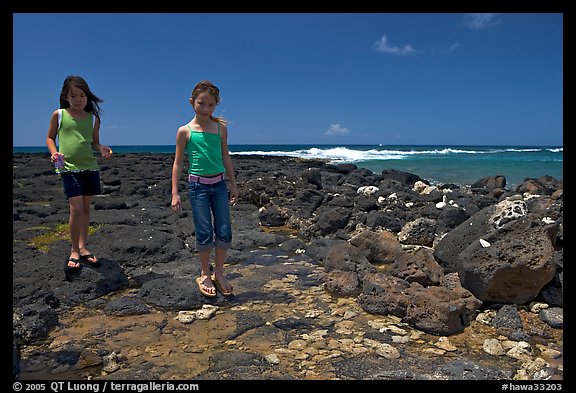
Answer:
[(92, 105)]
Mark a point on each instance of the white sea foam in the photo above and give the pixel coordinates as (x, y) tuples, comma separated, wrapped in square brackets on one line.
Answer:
[(351, 155)]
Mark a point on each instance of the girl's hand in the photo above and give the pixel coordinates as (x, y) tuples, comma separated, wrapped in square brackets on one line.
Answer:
[(233, 195), (176, 203), (54, 157), (105, 151)]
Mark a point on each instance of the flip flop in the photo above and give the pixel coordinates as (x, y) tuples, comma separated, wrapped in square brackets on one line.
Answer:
[(71, 269), (87, 257), (200, 282), (220, 287)]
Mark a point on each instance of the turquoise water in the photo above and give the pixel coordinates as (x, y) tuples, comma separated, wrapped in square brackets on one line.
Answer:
[(462, 165)]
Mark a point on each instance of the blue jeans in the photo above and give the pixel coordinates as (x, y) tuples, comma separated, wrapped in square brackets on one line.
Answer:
[(211, 213)]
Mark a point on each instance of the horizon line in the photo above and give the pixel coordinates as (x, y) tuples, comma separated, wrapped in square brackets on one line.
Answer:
[(330, 144)]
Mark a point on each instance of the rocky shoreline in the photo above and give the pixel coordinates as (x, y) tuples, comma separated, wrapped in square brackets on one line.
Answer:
[(339, 274)]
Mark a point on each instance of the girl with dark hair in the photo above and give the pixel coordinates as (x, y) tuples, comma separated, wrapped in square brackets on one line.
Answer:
[(76, 125)]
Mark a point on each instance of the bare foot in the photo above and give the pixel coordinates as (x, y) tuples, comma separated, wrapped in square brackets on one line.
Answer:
[(222, 284), (206, 286), (88, 256)]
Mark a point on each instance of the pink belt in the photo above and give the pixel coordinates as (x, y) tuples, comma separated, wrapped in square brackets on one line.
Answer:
[(206, 180)]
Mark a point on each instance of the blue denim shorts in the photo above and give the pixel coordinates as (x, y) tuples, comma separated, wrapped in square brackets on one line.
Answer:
[(81, 183), (211, 214)]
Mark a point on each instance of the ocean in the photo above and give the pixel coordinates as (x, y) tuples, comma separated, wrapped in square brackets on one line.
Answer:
[(461, 165)]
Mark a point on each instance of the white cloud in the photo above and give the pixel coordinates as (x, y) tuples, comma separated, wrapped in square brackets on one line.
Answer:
[(453, 47), (382, 45), (336, 129), (480, 21)]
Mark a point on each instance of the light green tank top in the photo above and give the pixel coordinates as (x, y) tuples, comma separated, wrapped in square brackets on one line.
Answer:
[(75, 142), (204, 153)]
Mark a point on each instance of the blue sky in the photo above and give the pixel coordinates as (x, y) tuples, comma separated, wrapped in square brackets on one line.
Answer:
[(300, 78)]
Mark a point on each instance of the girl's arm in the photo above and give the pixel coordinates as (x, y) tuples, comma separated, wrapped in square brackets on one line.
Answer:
[(51, 137), (105, 151), (181, 139), (227, 161)]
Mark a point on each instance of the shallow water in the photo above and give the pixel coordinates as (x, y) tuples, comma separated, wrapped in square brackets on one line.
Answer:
[(278, 290)]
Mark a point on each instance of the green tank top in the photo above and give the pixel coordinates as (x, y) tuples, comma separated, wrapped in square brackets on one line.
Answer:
[(75, 142), (204, 153)]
